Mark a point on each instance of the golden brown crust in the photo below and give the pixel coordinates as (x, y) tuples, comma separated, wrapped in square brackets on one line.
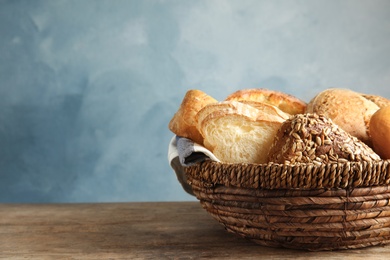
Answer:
[(380, 130), (184, 121), (346, 108), (285, 102), (312, 138)]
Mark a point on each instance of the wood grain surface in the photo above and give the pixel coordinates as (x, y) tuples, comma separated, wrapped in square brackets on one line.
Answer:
[(160, 230)]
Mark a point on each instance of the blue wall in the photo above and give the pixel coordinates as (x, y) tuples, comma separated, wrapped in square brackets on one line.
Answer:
[(87, 88)]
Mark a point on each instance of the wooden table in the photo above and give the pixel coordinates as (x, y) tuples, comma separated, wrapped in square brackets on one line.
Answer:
[(174, 230)]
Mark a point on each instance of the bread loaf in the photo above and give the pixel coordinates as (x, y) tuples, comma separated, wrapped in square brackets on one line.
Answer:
[(236, 132), (184, 121), (380, 132), (348, 109), (285, 102), (312, 138)]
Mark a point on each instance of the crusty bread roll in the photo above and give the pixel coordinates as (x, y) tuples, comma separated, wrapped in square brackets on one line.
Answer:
[(378, 100), (285, 102), (312, 138), (348, 109), (236, 132), (380, 132), (184, 121)]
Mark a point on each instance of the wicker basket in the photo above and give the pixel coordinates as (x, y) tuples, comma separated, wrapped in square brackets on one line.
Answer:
[(312, 207)]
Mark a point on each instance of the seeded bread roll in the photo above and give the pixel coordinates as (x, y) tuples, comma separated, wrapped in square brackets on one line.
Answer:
[(312, 138), (285, 102), (348, 109), (236, 132), (184, 121)]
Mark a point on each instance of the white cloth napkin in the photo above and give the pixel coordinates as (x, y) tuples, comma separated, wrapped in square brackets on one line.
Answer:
[(183, 152), (188, 152)]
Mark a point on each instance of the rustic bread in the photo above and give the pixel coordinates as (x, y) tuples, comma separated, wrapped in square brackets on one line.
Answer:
[(380, 132), (184, 121), (236, 132), (285, 102), (312, 138), (346, 108)]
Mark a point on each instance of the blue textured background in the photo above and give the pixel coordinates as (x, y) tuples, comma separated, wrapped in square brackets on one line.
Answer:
[(87, 88)]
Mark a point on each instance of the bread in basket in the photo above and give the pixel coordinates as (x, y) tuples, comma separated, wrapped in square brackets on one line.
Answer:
[(315, 205)]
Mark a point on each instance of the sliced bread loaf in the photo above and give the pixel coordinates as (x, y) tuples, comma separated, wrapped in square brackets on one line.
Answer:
[(238, 133)]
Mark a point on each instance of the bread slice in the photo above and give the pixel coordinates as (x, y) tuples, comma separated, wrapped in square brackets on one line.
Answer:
[(266, 108), (184, 122), (237, 132), (347, 108), (285, 102)]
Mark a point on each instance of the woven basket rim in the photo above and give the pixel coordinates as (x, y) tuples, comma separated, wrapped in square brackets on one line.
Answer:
[(298, 176)]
